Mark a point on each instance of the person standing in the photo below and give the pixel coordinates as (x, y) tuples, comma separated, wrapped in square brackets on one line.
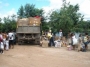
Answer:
[(14, 36), (7, 44), (1, 44), (51, 39), (1, 37), (60, 34), (1, 47), (80, 43), (4, 39), (74, 41), (69, 38), (86, 41), (11, 39)]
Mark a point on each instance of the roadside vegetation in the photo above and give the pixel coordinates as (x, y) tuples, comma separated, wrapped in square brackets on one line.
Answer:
[(66, 18)]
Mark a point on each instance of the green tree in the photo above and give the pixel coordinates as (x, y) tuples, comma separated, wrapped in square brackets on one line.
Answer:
[(29, 10), (0, 20), (9, 24), (20, 12), (66, 18), (0, 24)]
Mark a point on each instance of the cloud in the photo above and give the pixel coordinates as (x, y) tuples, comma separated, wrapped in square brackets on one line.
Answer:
[(2, 4), (52, 6), (42, 0), (5, 13), (8, 13), (84, 6), (6, 4), (55, 3), (74, 2)]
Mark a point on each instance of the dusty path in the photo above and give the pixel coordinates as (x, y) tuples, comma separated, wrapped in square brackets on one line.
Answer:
[(36, 56)]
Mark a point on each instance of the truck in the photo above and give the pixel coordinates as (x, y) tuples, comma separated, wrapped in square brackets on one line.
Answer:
[(28, 30)]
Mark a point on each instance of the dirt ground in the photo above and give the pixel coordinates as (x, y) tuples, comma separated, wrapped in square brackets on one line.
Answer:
[(36, 56)]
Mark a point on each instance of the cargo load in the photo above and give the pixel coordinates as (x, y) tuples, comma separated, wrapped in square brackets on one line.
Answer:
[(28, 30), (35, 21)]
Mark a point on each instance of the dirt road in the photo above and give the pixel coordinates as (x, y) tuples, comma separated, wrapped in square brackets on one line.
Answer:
[(36, 56)]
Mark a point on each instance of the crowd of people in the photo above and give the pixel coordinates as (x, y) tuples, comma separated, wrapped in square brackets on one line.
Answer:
[(6, 41), (81, 43)]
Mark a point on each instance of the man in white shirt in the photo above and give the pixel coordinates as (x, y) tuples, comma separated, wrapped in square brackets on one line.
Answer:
[(11, 39)]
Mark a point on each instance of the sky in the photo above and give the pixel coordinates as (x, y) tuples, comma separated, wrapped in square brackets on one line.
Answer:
[(9, 7)]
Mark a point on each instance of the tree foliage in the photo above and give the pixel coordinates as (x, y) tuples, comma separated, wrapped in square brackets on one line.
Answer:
[(29, 10), (67, 18), (8, 24)]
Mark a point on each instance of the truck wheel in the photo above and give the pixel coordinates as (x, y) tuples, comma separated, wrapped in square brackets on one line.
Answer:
[(37, 42), (20, 42)]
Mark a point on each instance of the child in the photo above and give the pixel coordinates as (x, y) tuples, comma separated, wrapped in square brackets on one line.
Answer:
[(1, 43), (57, 43), (1, 47), (4, 39), (7, 44), (80, 42), (86, 41), (74, 41), (83, 48)]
